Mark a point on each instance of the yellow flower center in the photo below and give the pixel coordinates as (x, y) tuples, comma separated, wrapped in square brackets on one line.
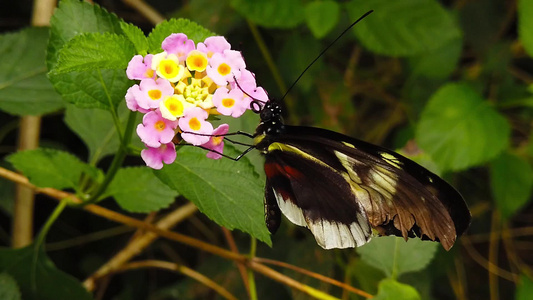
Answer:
[(196, 61), (224, 69), (195, 124), (159, 125), (228, 102), (217, 140), (174, 106), (169, 68), (154, 94)]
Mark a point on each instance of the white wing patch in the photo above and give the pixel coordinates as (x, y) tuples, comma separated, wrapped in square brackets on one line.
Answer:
[(331, 235), (290, 210), (328, 235)]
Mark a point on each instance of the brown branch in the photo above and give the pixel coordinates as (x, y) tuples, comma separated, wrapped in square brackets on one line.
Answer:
[(179, 268), (233, 247), (493, 255), (192, 242), (477, 257), (146, 10), (138, 244), (314, 275)]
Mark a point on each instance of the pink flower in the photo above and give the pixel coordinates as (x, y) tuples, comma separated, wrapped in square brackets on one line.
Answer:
[(131, 100), (196, 130), (154, 157), (216, 143), (213, 44), (156, 130), (230, 103), (139, 67), (178, 44), (151, 92), (224, 68)]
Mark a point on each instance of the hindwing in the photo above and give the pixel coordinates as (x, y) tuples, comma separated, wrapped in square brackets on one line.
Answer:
[(341, 188)]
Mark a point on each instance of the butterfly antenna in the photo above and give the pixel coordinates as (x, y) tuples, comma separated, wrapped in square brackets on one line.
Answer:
[(324, 51)]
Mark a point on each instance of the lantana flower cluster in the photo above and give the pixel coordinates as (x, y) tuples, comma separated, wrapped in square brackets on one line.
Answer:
[(181, 87)]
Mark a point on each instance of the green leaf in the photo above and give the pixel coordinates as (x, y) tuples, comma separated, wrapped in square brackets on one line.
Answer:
[(73, 17), (390, 289), (511, 182), (402, 28), (162, 30), (129, 187), (524, 289), (52, 168), (96, 128), (9, 289), (228, 192), (136, 36), (92, 51), (459, 129), (24, 88), (37, 276), (271, 13), (525, 25), (292, 60), (394, 256), (438, 63), (103, 89), (93, 89), (321, 17)]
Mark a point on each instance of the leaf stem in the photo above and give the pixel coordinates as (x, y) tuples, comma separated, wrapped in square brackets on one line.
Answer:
[(251, 277), (53, 217), (117, 160)]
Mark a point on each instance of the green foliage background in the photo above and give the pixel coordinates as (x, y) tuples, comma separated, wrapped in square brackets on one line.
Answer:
[(448, 83)]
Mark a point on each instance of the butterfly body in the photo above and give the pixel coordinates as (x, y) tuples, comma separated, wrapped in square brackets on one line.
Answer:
[(346, 191)]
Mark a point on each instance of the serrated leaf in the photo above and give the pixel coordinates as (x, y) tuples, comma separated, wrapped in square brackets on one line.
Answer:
[(271, 13), (525, 25), (92, 51), (524, 289), (136, 36), (97, 129), (24, 88), (390, 289), (103, 89), (93, 89), (139, 190), (9, 289), (321, 17), (37, 276), (73, 17), (403, 28), (193, 31), (511, 180), (228, 192), (52, 168), (459, 129), (438, 63), (394, 256)]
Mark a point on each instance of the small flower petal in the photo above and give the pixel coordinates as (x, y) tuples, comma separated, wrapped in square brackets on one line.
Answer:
[(230, 103), (168, 66), (156, 130), (173, 107), (196, 130), (216, 143), (140, 67), (179, 45), (196, 61), (214, 44), (154, 157)]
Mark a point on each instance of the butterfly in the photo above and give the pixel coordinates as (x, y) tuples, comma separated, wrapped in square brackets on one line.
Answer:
[(346, 190)]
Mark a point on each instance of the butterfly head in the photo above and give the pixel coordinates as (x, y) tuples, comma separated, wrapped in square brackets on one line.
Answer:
[(270, 114)]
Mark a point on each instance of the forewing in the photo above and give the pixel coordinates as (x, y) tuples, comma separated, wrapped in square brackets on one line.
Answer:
[(398, 196), (312, 194)]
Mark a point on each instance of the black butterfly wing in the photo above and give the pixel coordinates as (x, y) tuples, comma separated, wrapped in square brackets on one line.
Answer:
[(302, 189), (346, 181)]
